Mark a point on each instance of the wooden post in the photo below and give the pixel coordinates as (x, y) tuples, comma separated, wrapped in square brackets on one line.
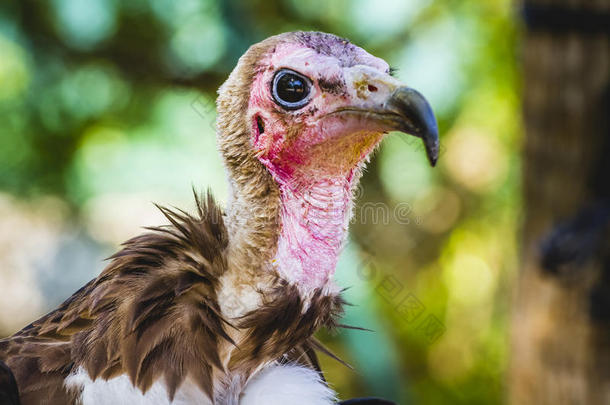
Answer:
[(561, 312)]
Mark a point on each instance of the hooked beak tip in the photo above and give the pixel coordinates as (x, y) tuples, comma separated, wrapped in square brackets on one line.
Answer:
[(418, 119)]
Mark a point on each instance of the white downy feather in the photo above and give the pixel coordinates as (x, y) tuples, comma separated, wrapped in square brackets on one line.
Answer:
[(287, 384), (274, 385), (120, 391)]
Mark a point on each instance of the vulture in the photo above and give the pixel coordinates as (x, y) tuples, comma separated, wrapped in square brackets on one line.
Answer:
[(221, 306)]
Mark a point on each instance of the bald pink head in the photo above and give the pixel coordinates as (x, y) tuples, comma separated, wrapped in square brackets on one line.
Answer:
[(313, 140)]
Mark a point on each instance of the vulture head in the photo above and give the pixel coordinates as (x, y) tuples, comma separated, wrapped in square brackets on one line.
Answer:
[(297, 120)]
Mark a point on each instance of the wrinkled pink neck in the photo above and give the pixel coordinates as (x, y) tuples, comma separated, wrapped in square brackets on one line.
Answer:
[(314, 219)]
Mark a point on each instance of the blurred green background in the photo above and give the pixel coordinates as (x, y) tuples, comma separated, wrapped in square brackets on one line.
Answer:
[(108, 106)]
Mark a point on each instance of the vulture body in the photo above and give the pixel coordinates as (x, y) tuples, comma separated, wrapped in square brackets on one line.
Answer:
[(221, 306)]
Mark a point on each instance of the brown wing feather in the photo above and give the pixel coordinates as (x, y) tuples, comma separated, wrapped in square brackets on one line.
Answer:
[(282, 325), (159, 290)]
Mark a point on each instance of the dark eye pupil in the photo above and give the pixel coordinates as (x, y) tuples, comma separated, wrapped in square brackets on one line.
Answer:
[(291, 88)]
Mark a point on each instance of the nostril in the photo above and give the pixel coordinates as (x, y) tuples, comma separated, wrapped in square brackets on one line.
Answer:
[(372, 88)]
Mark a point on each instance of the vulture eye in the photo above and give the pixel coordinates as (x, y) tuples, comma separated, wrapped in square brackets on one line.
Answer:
[(290, 89)]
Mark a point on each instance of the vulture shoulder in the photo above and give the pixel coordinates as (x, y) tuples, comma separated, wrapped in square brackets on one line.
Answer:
[(152, 313)]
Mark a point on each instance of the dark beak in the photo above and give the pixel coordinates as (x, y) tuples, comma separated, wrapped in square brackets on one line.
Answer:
[(414, 116)]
